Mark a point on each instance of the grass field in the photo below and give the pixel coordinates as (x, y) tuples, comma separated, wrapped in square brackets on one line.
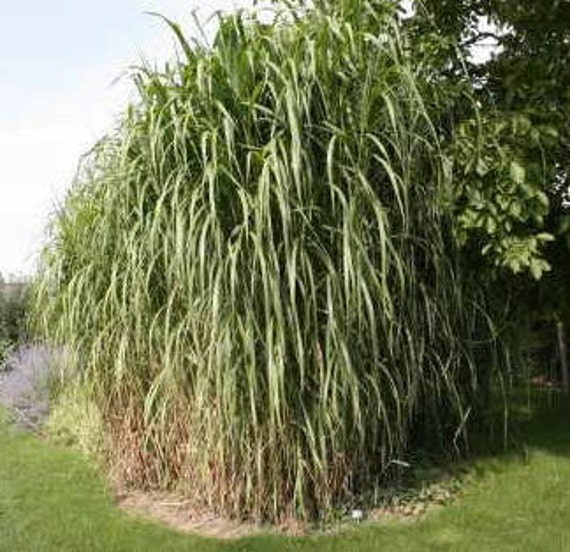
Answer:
[(52, 500)]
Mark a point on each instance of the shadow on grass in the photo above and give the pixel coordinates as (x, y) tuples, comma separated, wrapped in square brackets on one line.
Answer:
[(538, 422), (548, 426)]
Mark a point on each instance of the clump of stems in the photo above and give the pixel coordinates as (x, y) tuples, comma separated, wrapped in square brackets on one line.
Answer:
[(256, 271)]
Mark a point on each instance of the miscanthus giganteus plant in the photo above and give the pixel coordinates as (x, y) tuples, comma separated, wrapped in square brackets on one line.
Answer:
[(256, 272)]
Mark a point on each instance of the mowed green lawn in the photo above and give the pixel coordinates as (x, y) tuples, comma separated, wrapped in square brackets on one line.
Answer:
[(52, 500)]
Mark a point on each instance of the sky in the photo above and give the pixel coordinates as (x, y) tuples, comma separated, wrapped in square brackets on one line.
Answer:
[(63, 81)]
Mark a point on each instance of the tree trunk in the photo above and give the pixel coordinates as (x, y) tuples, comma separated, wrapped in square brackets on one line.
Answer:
[(563, 356)]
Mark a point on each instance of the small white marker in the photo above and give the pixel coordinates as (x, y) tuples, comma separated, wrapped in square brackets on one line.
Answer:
[(357, 515)]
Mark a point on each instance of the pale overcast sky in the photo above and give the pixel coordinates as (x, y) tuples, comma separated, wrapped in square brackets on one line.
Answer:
[(58, 62)]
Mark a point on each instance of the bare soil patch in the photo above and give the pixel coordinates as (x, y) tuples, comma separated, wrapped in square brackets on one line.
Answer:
[(176, 512)]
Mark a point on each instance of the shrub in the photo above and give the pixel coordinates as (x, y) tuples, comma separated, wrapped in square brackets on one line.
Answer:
[(13, 299)]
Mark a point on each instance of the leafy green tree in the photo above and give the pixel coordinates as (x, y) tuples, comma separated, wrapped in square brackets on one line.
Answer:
[(514, 206)]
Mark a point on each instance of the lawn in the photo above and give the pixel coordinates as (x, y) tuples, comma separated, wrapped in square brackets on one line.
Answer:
[(52, 500)]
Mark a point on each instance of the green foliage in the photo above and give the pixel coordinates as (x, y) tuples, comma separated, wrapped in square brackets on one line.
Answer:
[(13, 302), (527, 77), (76, 421), (499, 206), (523, 90)]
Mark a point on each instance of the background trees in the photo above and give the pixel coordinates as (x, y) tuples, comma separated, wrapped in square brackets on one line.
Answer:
[(524, 91)]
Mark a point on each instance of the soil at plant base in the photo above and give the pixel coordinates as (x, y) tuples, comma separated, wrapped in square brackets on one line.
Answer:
[(407, 506), (23, 384), (175, 512)]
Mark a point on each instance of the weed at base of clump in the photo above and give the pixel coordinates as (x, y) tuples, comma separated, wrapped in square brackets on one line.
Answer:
[(411, 503), (407, 498), (76, 421)]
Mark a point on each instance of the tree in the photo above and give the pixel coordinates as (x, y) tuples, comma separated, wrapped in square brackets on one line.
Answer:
[(524, 91)]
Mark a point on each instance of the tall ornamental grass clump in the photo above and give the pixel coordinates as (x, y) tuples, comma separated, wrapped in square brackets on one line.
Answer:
[(256, 273)]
